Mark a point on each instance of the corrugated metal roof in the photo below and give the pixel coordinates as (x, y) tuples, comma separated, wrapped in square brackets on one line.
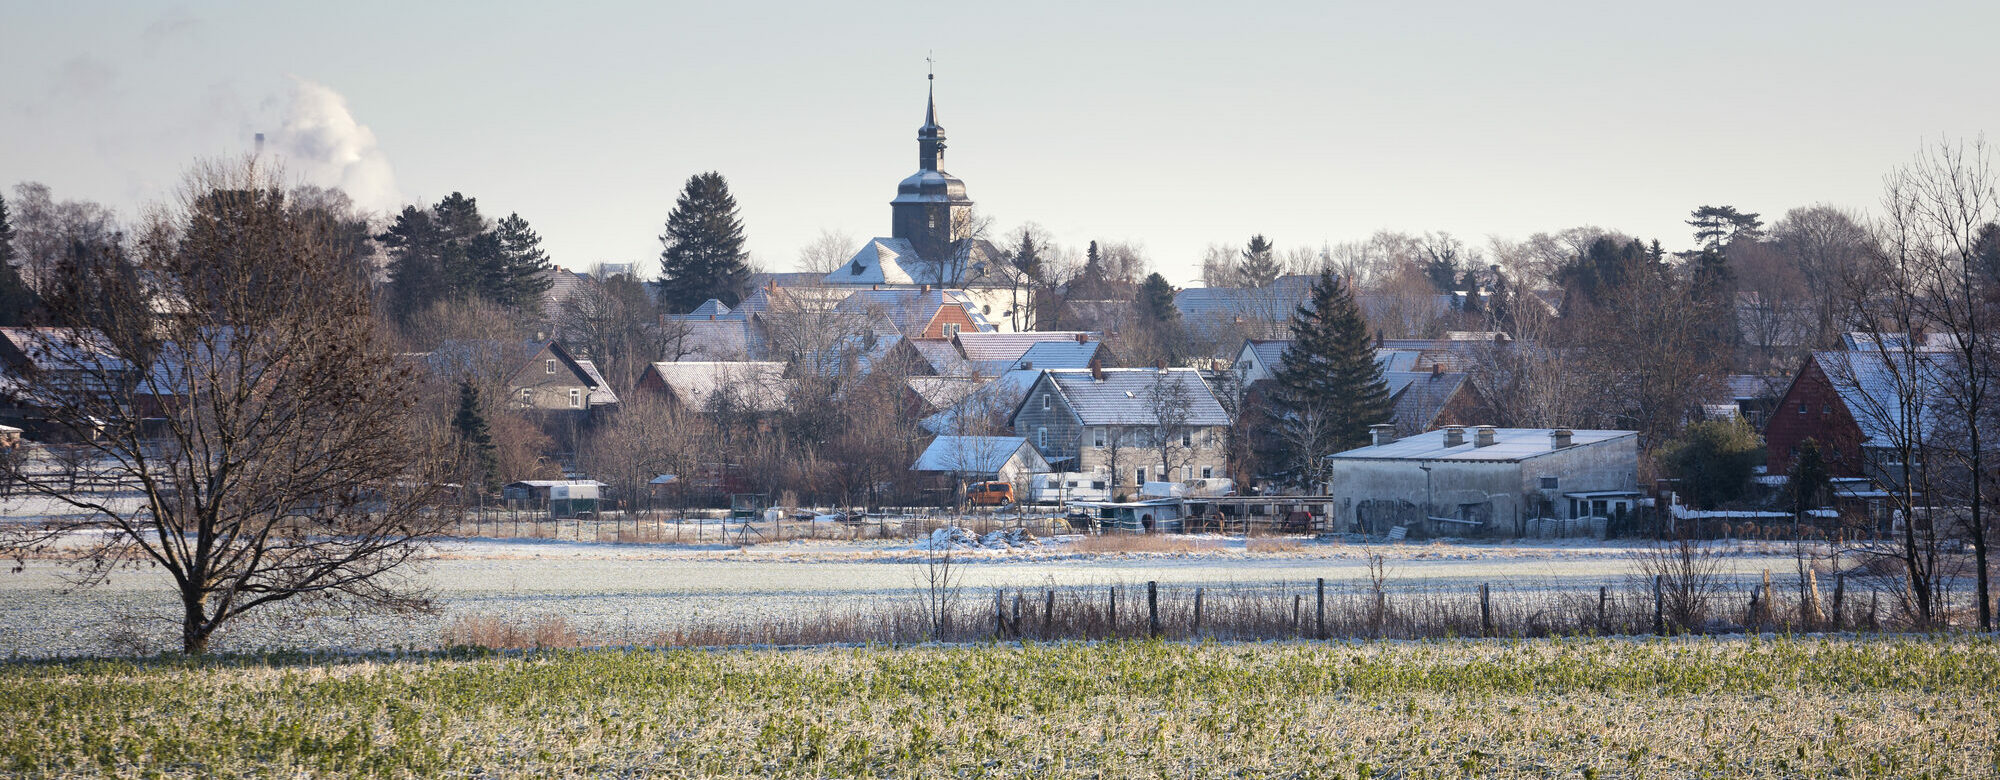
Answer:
[(1125, 395), (1510, 444)]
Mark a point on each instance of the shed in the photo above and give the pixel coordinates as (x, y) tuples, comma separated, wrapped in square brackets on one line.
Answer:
[(564, 497)]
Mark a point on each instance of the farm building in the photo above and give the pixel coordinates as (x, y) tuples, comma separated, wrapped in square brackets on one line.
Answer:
[(563, 497), (1495, 482)]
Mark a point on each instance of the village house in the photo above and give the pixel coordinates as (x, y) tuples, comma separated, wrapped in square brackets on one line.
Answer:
[(1507, 482), (1863, 406), (1421, 400), (981, 459), (741, 387), (553, 381), (1132, 425)]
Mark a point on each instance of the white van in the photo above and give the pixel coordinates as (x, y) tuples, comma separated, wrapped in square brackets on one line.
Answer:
[(1064, 486)]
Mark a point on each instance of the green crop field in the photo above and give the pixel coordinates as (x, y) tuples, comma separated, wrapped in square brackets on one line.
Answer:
[(1898, 707)]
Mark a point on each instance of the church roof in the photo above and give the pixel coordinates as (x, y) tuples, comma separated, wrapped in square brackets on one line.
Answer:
[(929, 186), (880, 261)]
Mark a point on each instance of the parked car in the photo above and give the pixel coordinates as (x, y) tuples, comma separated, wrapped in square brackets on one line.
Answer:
[(990, 493)]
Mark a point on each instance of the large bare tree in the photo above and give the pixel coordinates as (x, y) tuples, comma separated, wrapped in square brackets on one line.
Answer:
[(281, 456)]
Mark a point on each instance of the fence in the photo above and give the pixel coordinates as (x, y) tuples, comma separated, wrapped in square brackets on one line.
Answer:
[(644, 527)]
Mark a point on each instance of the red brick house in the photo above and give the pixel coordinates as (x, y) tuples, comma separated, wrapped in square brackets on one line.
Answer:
[(1812, 408)]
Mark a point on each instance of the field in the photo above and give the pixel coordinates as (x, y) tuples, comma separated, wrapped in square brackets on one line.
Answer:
[(632, 593), (1903, 707)]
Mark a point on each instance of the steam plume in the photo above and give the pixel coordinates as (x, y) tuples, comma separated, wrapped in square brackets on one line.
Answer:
[(321, 142)]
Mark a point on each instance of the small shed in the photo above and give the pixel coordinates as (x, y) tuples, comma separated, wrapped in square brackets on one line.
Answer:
[(999, 458), (564, 497)]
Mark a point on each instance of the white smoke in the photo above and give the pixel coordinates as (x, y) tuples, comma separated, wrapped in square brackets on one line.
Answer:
[(321, 142)]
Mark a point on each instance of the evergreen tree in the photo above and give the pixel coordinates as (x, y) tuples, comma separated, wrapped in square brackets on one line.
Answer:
[(17, 300), (1091, 283), (1156, 301), (1716, 226), (1808, 479), (1470, 284), (1027, 256), (522, 262), (703, 253), (1330, 388), (475, 442), (416, 263), (1714, 460), (1260, 265)]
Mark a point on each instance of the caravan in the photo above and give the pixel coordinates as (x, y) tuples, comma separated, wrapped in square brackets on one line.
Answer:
[(1066, 486)]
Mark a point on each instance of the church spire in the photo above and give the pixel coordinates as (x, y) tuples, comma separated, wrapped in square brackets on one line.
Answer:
[(930, 137)]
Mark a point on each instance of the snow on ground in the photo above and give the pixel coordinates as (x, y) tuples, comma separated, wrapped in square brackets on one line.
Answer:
[(630, 592)]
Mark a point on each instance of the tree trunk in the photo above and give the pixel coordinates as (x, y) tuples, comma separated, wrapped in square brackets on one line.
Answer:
[(195, 627)]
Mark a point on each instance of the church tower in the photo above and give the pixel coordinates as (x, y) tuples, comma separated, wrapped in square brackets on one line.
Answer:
[(931, 210)]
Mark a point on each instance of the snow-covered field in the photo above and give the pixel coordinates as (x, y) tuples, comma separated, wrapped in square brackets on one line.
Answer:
[(631, 592)]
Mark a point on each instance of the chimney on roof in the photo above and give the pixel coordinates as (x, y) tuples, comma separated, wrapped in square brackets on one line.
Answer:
[(1382, 433), (1560, 438), (1083, 338), (1162, 365), (924, 289), (1454, 435), (1483, 436), (1097, 369), (1437, 370)]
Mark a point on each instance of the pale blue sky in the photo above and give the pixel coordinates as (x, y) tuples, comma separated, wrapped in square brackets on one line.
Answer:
[(1170, 124)]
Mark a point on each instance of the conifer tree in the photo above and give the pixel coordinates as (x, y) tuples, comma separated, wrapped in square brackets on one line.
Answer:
[(1156, 301), (702, 255), (522, 262), (17, 300), (416, 267), (475, 442), (1027, 256), (1330, 388), (1260, 263)]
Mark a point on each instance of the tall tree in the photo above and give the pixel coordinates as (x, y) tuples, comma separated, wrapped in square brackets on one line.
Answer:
[(475, 442), (284, 461), (1260, 266), (416, 262), (1156, 301), (1716, 226), (703, 253), (16, 299), (1027, 256), (519, 280), (1330, 388)]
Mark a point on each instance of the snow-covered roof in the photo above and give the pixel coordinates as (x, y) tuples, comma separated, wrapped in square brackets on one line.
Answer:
[(978, 455), (1876, 388), (987, 402), (600, 390), (879, 261), (1418, 397), (710, 308), (1058, 354), (1509, 444), (756, 386), (1009, 347), (1124, 396)]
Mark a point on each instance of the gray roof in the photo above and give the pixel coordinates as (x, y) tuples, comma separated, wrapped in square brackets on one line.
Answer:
[(879, 261), (1874, 389), (710, 308), (1417, 397), (759, 386), (721, 339), (977, 402), (1123, 396), (600, 390), (1009, 347), (1510, 444), (1058, 354), (978, 455)]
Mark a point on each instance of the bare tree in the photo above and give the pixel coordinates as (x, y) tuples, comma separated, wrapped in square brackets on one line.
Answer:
[(284, 459), (827, 252), (1169, 403), (1826, 245)]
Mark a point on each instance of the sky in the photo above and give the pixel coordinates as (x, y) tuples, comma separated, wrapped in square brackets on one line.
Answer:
[(1172, 125)]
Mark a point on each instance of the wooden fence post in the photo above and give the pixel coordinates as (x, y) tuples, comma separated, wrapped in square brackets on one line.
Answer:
[(1659, 605), (1153, 608), (1754, 619), (999, 615), (1485, 610), (1197, 612), (1298, 602), (1113, 631), (1603, 599), (1016, 629), (1319, 607), (1839, 596)]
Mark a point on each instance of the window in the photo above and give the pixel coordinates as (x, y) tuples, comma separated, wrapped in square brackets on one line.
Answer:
[(1826, 409), (1548, 483), (1047, 403), (1208, 472), (1802, 407), (950, 329), (1187, 473), (549, 366), (1041, 438), (1187, 438), (575, 398), (1097, 438), (527, 395), (1139, 476)]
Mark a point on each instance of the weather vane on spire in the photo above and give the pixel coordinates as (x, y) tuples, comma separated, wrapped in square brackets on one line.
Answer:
[(932, 63)]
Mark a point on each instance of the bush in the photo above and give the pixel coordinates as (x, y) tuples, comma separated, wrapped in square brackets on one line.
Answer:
[(1714, 460)]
